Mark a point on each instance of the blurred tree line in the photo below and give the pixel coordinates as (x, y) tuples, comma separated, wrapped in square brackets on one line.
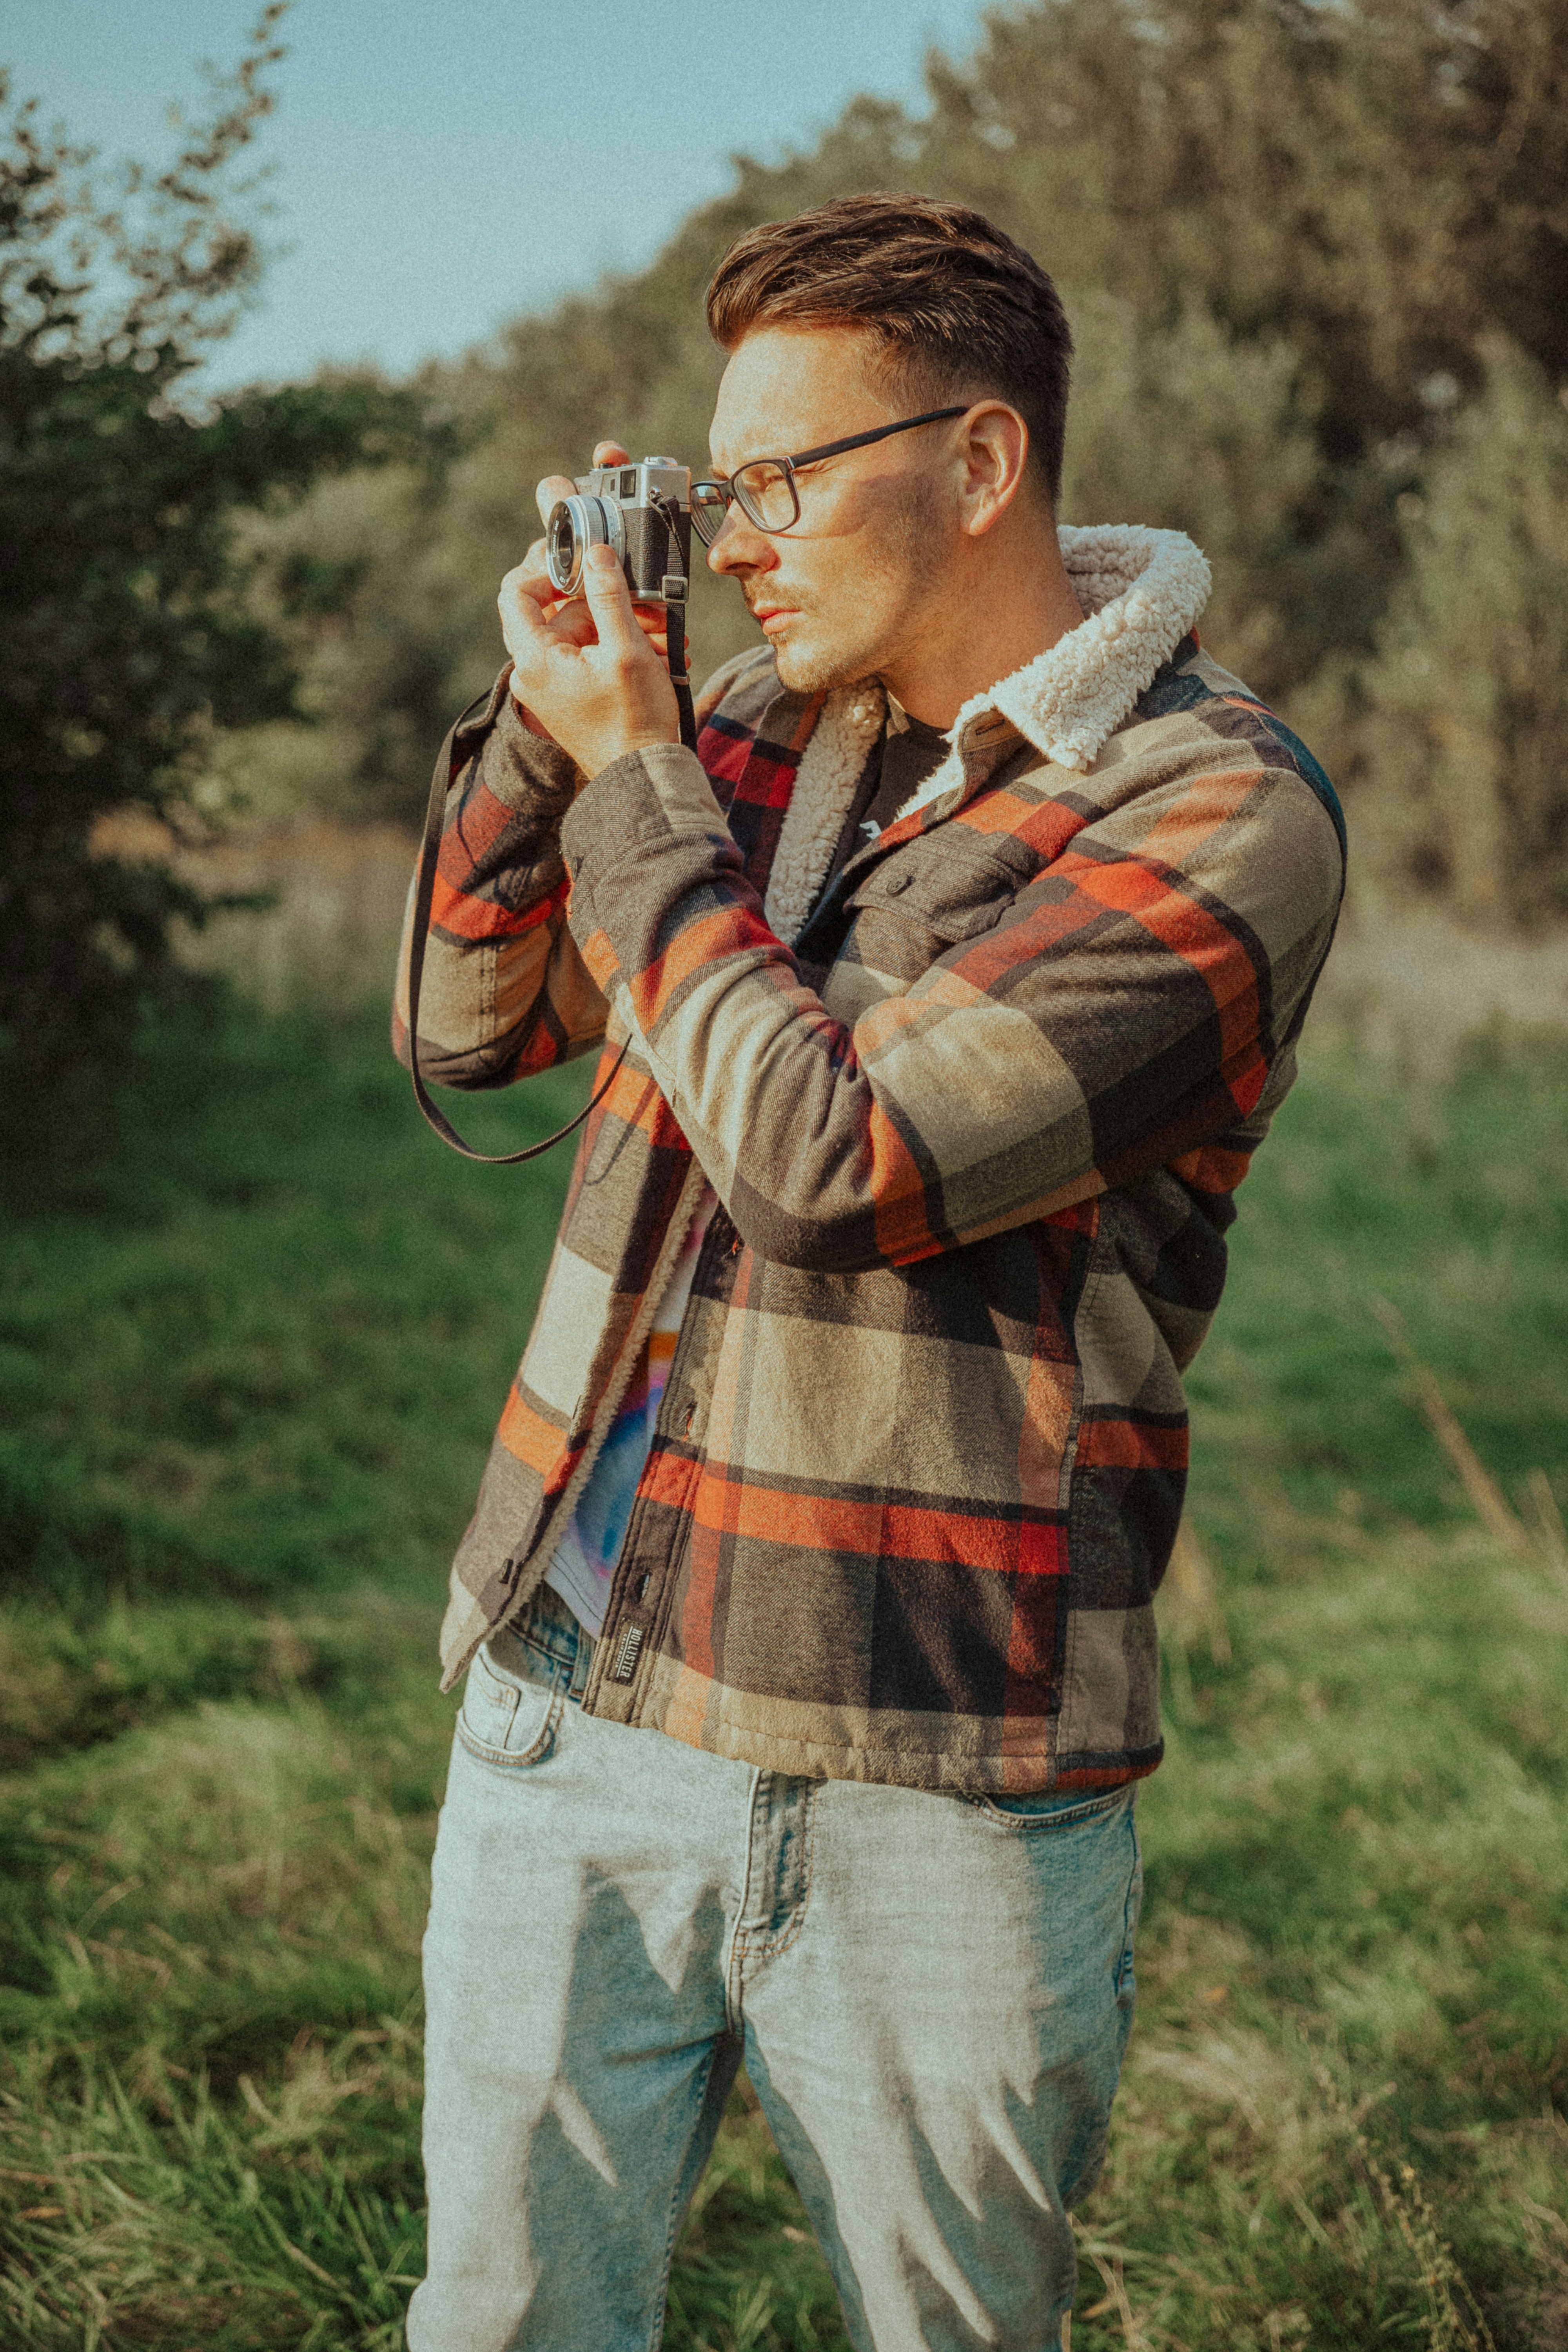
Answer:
[(1316, 254)]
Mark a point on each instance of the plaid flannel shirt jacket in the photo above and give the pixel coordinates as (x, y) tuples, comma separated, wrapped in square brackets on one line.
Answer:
[(974, 1121)]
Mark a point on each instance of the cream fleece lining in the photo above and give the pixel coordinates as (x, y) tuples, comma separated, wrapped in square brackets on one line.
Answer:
[(1142, 591), (848, 725)]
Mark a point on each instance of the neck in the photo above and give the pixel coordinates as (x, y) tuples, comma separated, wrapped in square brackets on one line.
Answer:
[(1007, 599)]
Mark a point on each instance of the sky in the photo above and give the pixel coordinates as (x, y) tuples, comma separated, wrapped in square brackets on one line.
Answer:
[(441, 168)]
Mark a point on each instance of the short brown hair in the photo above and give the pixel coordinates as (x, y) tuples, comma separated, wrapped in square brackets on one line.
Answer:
[(952, 303)]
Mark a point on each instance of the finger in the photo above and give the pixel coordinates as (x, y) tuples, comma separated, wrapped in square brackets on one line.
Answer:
[(533, 572), (652, 620), (610, 452), (609, 601), (523, 619), (550, 490), (572, 624), (525, 586)]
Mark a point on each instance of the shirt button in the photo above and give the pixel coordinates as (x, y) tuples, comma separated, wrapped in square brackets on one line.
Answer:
[(897, 882)]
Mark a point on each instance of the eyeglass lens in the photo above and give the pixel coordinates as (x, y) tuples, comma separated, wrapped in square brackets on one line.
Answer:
[(764, 492), (709, 505)]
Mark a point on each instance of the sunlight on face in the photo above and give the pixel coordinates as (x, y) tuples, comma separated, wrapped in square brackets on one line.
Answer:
[(849, 586)]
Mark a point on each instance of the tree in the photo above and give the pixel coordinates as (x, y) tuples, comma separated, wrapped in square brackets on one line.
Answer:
[(125, 633), (1459, 751), (1289, 233)]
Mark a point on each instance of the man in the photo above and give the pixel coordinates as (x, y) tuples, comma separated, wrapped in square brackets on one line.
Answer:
[(807, 1605)]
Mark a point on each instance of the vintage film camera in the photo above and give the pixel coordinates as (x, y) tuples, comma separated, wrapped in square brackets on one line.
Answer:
[(643, 511)]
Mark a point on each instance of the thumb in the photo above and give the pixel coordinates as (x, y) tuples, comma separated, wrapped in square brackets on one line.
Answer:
[(604, 585)]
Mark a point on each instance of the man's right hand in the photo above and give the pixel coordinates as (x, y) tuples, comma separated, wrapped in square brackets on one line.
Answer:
[(568, 618)]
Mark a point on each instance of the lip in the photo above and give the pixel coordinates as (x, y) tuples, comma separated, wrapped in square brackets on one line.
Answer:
[(765, 615)]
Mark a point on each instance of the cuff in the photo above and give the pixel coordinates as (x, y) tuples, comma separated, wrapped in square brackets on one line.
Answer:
[(524, 771), (649, 799)]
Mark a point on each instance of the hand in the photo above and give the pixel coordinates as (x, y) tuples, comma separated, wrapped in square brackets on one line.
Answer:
[(590, 674)]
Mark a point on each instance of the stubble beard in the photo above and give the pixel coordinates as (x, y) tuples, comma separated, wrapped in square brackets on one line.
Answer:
[(886, 593)]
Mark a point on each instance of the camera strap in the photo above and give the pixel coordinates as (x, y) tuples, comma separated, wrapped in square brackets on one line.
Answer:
[(674, 593), (425, 893)]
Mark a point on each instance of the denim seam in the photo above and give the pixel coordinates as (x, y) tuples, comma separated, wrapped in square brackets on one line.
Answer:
[(736, 1948), (1124, 1969), (661, 2304), (763, 1946)]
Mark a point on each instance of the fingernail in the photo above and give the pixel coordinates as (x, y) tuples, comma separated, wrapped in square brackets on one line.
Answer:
[(600, 556)]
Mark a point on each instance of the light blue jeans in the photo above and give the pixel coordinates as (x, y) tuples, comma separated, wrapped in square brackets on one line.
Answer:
[(931, 1994)]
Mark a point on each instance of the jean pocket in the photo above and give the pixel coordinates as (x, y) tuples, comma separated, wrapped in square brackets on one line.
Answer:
[(505, 1719), (1040, 1810)]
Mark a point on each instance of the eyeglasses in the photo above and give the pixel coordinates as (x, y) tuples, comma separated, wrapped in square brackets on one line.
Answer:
[(765, 489)]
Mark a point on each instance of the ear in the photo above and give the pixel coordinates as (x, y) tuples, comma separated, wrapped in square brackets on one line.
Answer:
[(994, 455)]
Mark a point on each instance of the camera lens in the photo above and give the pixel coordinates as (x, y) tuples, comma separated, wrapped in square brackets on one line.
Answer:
[(562, 555), (574, 526)]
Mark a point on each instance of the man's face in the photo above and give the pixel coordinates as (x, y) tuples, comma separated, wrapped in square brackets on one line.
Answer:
[(847, 588)]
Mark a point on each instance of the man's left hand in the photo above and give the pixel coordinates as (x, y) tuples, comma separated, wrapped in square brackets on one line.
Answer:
[(598, 700)]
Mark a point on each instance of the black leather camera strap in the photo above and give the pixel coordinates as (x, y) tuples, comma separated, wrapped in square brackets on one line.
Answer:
[(423, 898)]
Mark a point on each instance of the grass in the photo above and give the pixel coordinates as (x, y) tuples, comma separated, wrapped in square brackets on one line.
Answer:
[(250, 1352), (256, 1336)]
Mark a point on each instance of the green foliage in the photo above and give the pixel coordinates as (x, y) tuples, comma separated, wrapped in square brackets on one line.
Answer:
[(1377, 182), (1343, 2118), (1290, 237), (1215, 436), (126, 634), (1465, 730)]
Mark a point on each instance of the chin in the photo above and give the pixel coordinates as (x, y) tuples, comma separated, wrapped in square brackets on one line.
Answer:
[(817, 668)]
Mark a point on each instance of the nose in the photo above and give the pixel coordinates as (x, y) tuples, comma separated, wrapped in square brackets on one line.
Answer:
[(739, 546)]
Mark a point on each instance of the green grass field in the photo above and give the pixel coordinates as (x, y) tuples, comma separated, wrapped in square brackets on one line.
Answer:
[(253, 1337)]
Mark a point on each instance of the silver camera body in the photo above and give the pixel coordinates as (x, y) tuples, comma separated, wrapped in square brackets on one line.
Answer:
[(643, 511)]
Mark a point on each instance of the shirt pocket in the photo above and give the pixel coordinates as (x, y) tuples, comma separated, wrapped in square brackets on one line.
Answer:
[(922, 900)]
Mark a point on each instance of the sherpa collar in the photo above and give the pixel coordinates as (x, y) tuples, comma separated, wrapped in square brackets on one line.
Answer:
[(1141, 591)]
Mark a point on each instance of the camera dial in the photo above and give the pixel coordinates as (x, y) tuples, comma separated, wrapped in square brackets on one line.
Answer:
[(575, 525)]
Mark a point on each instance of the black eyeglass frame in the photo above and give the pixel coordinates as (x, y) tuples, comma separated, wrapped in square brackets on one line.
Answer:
[(728, 486)]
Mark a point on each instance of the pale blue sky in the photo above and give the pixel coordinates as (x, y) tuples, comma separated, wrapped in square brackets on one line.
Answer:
[(442, 168)]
